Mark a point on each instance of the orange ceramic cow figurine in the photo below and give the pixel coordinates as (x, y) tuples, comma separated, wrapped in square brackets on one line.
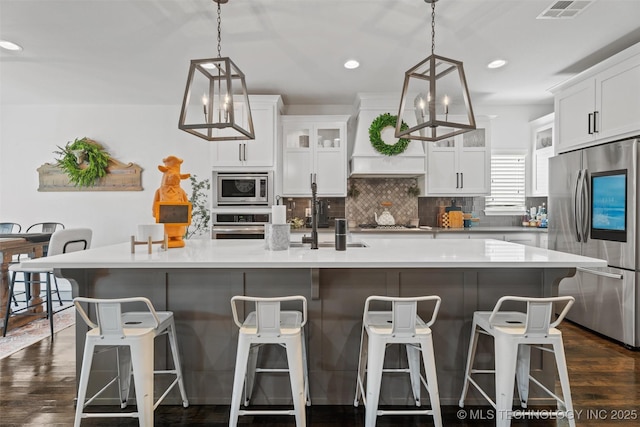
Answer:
[(170, 191)]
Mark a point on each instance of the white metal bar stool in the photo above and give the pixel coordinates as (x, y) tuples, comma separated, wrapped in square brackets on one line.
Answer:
[(268, 324), (401, 325), (135, 330), (515, 333)]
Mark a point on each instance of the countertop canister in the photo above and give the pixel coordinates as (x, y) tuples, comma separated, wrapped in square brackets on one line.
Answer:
[(341, 234)]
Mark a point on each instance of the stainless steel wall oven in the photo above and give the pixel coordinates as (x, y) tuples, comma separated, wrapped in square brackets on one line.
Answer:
[(238, 225)]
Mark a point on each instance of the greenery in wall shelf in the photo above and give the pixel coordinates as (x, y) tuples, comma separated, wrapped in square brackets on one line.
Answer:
[(413, 190), (199, 207), (377, 125), (84, 161), (353, 192)]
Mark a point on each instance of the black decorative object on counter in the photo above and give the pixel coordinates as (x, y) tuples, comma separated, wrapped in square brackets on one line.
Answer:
[(341, 234)]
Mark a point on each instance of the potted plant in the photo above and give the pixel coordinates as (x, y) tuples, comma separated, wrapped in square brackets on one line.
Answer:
[(199, 199)]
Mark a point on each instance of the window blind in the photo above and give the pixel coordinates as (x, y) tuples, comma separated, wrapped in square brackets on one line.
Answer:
[(508, 174)]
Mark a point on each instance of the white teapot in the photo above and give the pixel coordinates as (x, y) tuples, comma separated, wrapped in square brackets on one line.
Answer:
[(385, 218)]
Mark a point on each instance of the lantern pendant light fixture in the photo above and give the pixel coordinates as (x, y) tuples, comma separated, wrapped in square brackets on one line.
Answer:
[(216, 104), (437, 90)]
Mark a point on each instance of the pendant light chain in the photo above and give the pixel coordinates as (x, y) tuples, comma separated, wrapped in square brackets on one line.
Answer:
[(215, 91), (433, 27), (219, 36), (436, 96)]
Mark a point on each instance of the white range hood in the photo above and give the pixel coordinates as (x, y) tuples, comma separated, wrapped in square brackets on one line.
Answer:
[(365, 160)]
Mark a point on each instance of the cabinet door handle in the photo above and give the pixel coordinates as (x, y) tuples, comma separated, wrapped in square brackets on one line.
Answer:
[(595, 122), (457, 180), (461, 179), (240, 152), (244, 151), (589, 123)]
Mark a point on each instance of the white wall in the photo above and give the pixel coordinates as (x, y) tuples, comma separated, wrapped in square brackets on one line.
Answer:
[(510, 124), (140, 134)]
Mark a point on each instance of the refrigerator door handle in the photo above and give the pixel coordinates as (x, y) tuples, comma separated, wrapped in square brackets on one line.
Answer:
[(600, 273), (584, 220), (576, 209)]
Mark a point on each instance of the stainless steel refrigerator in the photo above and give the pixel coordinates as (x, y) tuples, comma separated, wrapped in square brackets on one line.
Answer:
[(593, 211)]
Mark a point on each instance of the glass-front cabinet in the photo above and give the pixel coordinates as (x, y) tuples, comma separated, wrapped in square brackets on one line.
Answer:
[(541, 150), (314, 147), (460, 165)]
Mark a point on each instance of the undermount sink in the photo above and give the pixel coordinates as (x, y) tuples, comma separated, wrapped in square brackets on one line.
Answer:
[(328, 245)]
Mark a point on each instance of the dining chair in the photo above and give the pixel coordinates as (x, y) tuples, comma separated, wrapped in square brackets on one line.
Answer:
[(45, 227), (62, 241), (10, 227)]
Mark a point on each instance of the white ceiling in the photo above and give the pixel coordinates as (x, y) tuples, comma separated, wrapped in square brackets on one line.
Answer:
[(138, 51)]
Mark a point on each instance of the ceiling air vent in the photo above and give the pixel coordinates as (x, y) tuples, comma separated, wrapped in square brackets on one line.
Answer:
[(565, 9)]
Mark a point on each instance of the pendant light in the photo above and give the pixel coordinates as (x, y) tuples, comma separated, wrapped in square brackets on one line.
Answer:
[(216, 104), (437, 90)]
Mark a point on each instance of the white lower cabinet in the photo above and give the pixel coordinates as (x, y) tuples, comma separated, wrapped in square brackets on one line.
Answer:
[(529, 239), (533, 238), (467, 235), (363, 235)]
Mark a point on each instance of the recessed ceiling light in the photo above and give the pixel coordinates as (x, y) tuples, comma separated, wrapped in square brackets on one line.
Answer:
[(497, 63), (9, 45), (351, 64)]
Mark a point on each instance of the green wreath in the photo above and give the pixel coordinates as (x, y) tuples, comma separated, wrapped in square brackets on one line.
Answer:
[(96, 158), (381, 122)]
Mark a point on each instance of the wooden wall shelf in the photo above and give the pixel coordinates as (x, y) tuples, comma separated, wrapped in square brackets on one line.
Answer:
[(120, 177)]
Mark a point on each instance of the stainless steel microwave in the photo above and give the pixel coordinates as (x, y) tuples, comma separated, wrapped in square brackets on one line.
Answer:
[(242, 188)]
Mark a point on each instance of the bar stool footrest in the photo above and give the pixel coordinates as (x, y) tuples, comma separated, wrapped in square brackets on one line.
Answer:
[(266, 412), (405, 412)]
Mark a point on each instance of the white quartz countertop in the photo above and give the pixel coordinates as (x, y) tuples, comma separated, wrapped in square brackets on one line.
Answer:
[(379, 253)]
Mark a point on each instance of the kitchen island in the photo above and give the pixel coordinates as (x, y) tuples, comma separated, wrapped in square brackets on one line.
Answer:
[(197, 282)]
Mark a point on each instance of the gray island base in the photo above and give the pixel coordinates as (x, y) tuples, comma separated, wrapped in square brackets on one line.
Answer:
[(197, 284)]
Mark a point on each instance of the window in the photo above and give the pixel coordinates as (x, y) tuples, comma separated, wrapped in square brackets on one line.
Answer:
[(508, 174)]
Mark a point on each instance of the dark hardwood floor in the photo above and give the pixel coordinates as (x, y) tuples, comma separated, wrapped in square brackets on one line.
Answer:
[(37, 388)]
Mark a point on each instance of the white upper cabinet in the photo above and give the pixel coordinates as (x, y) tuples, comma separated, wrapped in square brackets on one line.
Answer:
[(314, 146), (540, 152), (602, 104), (575, 109), (256, 153), (460, 165), (618, 98)]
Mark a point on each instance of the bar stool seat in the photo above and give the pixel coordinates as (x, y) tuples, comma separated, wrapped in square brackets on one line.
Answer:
[(401, 325), (268, 324), (136, 331), (515, 334)]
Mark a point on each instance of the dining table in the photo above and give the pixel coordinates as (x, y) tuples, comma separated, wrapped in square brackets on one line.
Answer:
[(12, 248)]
